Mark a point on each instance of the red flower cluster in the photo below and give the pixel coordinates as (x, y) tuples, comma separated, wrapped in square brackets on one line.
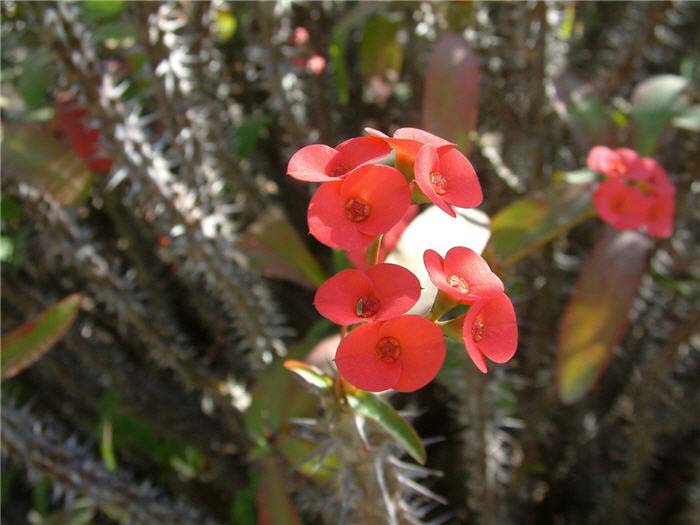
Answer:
[(360, 203), (489, 327), (84, 140), (636, 193)]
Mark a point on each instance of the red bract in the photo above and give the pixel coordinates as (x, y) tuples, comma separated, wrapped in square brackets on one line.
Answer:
[(620, 205), (84, 141), (320, 163), (350, 213), (447, 177), (355, 296), (404, 353), (407, 141), (490, 330), (620, 162), (654, 178), (659, 215), (389, 240), (462, 274)]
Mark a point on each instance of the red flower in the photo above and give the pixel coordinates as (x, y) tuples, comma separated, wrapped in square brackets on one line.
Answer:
[(659, 215), (462, 274), (320, 163), (404, 353), (389, 240), (407, 141), (490, 330), (654, 178), (355, 296), (316, 64), (620, 162), (620, 205), (350, 213), (100, 164), (447, 177), (84, 141)]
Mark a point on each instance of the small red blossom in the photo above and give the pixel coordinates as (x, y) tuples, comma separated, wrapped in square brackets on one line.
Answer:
[(462, 274), (490, 330), (404, 353), (447, 177), (620, 162), (378, 293), (316, 64), (320, 163), (84, 141), (300, 36), (389, 241), (658, 219), (654, 178), (350, 213), (407, 141), (619, 204)]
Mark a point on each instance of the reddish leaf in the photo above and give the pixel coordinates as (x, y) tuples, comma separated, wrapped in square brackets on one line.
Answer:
[(596, 317), (451, 98), (274, 505), (29, 342)]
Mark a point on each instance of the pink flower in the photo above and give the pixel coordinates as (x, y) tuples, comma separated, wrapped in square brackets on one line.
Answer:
[(462, 274), (350, 213), (658, 219), (447, 177), (619, 204), (356, 296), (320, 163), (620, 162), (404, 353), (316, 64), (490, 330)]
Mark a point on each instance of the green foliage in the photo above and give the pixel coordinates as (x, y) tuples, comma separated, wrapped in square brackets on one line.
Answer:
[(529, 223), (249, 132), (373, 407), (655, 102), (101, 10), (35, 78), (380, 51)]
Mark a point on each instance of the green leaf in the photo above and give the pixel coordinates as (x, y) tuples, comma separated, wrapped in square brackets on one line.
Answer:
[(372, 407), (380, 50), (107, 445), (31, 153), (116, 34), (451, 95), (688, 119), (587, 113), (242, 510), (34, 81), (277, 249), (248, 134), (7, 248), (9, 210), (26, 344), (304, 455), (274, 504), (310, 374), (531, 222), (596, 317), (655, 102), (96, 10)]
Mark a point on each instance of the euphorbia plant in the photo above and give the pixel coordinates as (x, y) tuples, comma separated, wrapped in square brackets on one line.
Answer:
[(358, 202)]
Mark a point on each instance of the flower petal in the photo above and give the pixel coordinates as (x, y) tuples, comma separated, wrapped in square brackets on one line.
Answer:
[(467, 264), (397, 288), (386, 191), (490, 328), (426, 163), (422, 350), (620, 205), (357, 360), (311, 163), (337, 298), (659, 217), (327, 220), (463, 188), (362, 150), (422, 137)]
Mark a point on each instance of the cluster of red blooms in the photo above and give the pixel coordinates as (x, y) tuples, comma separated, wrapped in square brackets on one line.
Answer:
[(84, 140), (314, 63), (358, 202), (636, 193)]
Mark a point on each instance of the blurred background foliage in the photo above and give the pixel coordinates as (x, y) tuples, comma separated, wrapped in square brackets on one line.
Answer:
[(156, 266)]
